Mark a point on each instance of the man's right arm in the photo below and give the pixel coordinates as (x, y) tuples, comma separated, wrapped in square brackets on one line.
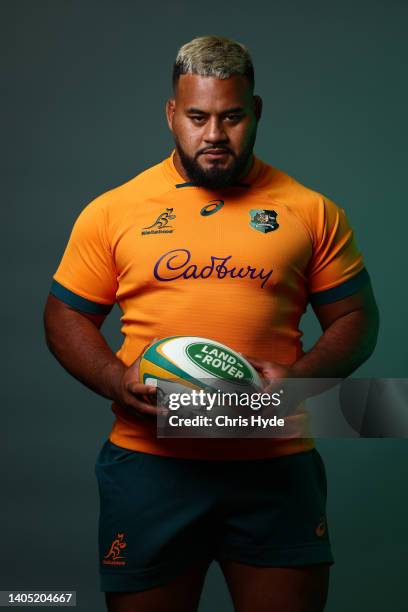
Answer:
[(75, 340)]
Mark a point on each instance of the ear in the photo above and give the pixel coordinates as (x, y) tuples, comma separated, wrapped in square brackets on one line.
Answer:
[(170, 108), (258, 107)]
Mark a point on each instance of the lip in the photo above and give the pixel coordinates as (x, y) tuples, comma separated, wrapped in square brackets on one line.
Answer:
[(216, 153)]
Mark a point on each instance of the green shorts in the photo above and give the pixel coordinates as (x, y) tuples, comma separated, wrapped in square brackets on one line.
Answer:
[(160, 515)]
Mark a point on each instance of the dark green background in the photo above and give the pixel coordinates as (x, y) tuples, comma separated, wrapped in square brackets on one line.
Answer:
[(85, 86)]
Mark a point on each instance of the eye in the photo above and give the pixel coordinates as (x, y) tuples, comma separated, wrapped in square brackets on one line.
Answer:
[(197, 118), (233, 118)]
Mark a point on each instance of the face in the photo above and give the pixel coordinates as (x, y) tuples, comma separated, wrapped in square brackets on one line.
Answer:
[(214, 126)]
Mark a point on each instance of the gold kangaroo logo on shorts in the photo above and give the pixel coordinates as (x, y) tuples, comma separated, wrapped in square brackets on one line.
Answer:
[(113, 556), (321, 528)]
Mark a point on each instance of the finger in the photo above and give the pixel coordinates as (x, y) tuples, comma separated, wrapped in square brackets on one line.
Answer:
[(141, 407), (144, 408), (254, 360), (273, 385), (137, 388), (260, 366)]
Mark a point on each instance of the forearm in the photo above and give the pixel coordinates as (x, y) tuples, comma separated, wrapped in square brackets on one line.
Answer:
[(341, 349), (81, 349)]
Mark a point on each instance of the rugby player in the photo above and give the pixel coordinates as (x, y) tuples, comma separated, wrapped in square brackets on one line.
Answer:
[(211, 242)]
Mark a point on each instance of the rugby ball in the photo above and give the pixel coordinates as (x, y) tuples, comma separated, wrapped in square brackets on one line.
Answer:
[(197, 363)]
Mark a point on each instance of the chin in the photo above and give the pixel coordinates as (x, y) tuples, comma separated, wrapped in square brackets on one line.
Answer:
[(216, 165)]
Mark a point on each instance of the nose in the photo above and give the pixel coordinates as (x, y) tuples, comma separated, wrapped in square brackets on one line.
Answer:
[(215, 133)]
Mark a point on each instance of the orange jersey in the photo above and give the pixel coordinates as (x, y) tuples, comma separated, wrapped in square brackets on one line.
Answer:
[(238, 265)]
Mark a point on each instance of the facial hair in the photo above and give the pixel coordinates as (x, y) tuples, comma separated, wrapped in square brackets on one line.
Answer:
[(216, 177)]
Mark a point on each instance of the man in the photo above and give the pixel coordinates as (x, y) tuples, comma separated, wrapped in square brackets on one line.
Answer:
[(269, 246)]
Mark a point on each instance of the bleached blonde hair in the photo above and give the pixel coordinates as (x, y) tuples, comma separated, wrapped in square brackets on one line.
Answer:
[(213, 56)]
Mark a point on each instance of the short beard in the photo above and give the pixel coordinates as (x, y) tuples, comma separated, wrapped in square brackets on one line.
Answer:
[(215, 178)]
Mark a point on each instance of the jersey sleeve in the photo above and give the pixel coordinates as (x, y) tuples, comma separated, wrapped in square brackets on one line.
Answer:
[(86, 277), (336, 269)]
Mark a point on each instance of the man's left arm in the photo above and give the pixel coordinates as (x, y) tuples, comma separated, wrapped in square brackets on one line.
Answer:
[(350, 329), (341, 295)]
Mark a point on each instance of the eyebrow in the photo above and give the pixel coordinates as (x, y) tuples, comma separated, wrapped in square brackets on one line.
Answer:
[(237, 109)]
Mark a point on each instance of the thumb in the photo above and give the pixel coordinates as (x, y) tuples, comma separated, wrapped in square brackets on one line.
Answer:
[(258, 364)]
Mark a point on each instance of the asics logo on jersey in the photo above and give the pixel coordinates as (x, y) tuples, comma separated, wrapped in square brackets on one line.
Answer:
[(176, 264), (212, 207), (161, 224)]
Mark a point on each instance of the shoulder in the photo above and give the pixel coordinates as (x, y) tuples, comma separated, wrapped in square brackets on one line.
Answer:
[(310, 206), (149, 183), (111, 208), (288, 190)]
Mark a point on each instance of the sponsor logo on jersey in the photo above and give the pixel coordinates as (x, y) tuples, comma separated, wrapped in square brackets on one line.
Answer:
[(263, 220), (162, 224), (177, 264), (212, 207), (114, 555)]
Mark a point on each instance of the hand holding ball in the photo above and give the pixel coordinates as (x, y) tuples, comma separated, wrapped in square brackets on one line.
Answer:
[(197, 362)]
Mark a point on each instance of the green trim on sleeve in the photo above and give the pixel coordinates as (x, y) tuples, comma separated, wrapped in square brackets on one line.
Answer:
[(341, 291), (78, 302)]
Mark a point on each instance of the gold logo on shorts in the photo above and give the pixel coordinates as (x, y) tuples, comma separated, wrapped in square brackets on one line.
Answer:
[(321, 528), (113, 556)]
